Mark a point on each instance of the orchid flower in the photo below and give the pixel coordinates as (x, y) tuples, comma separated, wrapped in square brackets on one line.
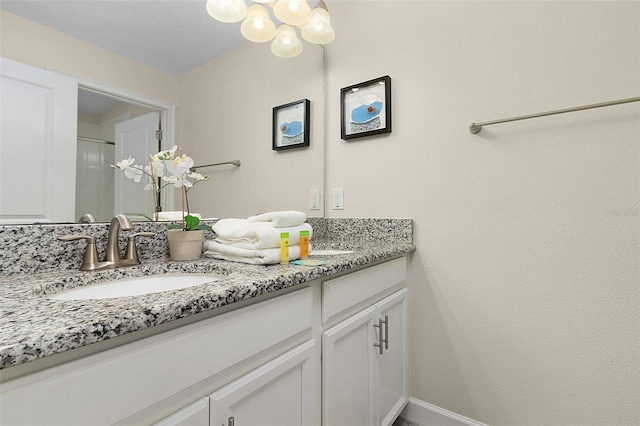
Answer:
[(173, 180), (172, 170), (122, 165), (134, 172), (180, 165), (155, 168), (197, 177), (165, 155), (131, 172)]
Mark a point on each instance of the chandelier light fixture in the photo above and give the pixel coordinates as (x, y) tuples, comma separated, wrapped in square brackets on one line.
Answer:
[(257, 26)]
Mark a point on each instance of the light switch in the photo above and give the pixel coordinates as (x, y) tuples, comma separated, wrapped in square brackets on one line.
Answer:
[(338, 199), (315, 199)]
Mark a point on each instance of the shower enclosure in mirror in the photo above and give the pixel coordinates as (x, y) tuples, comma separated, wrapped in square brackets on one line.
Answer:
[(110, 130)]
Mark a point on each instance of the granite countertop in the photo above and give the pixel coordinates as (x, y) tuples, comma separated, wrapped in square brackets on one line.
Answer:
[(33, 326)]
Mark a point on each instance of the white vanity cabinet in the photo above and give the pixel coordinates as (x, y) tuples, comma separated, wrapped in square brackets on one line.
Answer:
[(335, 352), (365, 357)]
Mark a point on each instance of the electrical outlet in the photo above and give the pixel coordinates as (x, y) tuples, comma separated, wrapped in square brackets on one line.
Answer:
[(315, 199), (338, 199)]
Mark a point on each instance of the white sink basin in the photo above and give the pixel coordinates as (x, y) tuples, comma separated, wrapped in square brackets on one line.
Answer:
[(136, 286)]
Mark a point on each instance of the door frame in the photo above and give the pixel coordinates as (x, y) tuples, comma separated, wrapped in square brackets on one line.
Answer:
[(166, 109)]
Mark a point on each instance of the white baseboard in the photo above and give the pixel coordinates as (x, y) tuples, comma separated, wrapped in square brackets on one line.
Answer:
[(426, 414)]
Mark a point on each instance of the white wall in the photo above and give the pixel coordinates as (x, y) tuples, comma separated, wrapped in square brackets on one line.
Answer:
[(225, 113), (525, 293)]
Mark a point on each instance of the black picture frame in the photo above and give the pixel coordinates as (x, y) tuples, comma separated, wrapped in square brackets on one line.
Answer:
[(365, 108), (290, 128)]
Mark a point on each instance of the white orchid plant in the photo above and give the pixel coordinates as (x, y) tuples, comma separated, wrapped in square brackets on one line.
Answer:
[(171, 169)]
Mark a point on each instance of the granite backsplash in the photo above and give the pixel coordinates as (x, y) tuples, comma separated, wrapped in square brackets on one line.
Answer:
[(26, 249)]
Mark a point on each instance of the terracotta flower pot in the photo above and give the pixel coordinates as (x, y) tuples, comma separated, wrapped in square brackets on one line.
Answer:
[(185, 245)]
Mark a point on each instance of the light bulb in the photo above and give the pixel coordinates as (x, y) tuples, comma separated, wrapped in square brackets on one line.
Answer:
[(318, 30), (286, 43), (292, 12), (227, 10), (257, 26)]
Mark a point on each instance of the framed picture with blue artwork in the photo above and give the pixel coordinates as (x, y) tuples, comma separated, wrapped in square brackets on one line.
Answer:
[(365, 108), (291, 125)]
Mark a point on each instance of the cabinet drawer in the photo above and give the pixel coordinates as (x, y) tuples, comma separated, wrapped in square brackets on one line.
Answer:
[(341, 294)]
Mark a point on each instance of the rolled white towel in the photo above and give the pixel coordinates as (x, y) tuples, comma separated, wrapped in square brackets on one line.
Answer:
[(269, 256), (280, 219), (254, 236), (175, 215)]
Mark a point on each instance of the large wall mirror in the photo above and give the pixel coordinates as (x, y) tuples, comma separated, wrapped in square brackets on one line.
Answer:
[(223, 111)]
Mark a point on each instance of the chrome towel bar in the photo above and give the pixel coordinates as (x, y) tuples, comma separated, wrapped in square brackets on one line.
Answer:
[(233, 162), (476, 127)]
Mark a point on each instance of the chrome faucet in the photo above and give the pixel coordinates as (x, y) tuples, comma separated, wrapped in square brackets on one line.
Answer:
[(113, 259), (87, 218), (120, 221)]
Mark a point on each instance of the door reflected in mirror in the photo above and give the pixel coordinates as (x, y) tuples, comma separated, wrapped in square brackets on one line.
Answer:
[(109, 130)]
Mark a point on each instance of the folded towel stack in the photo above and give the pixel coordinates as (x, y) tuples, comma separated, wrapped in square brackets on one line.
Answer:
[(256, 240)]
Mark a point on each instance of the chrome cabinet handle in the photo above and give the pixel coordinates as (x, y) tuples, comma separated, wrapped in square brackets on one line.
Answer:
[(231, 421), (386, 331), (380, 339)]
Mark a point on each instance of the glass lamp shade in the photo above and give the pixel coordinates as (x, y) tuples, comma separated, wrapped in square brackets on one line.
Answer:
[(318, 30), (292, 12), (257, 26), (286, 43), (227, 10)]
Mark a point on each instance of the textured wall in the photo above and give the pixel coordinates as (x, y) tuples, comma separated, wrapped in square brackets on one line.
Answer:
[(525, 293)]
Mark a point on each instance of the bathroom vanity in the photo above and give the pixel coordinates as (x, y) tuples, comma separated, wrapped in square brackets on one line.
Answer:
[(279, 345)]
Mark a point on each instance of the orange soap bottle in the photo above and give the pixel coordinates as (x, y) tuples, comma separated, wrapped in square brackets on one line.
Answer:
[(304, 244)]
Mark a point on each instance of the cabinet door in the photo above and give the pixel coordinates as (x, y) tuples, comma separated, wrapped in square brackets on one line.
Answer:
[(196, 414), (280, 393), (393, 364), (348, 358)]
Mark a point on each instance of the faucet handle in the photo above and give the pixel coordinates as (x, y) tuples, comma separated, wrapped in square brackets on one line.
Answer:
[(131, 253), (91, 255)]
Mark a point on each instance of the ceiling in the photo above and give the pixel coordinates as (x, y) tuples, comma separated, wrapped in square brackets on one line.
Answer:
[(174, 36)]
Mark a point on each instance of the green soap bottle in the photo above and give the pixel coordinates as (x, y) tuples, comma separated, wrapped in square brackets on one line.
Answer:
[(284, 248)]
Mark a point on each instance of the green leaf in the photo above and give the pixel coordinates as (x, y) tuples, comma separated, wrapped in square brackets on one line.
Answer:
[(191, 222), (204, 227)]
